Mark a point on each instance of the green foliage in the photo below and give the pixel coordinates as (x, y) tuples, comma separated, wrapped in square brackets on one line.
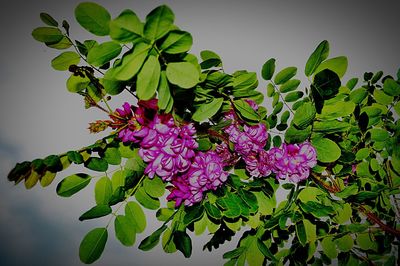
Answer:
[(92, 245)]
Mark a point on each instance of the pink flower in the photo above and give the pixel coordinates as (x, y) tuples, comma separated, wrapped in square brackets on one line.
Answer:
[(293, 161), (205, 173)]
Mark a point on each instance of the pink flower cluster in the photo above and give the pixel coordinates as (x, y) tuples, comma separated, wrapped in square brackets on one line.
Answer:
[(293, 161), (170, 151), (290, 161), (205, 173)]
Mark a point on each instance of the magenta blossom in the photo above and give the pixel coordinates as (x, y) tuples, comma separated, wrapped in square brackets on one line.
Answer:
[(293, 161), (167, 149), (205, 173)]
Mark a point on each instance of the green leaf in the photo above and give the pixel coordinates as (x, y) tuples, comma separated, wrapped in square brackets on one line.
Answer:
[(320, 54), (213, 211), (103, 191), (293, 96), (127, 151), (75, 157), (301, 233), (391, 87), (64, 60), (358, 95), (366, 241), (284, 75), (49, 20), (265, 250), (77, 83), (207, 110), (379, 134), (112, 156), (167, 242), (148, 78), (136, 216), (47, 35), (47, 178), (343, 214), (308, 194), (330, 126), (289, 85), (96, 164), (304, 115), (234, 253), (348, 191), (329, 248), (382, 98), (131, 63), (245, 110), (155, 187), (72, 184), (124, 231), (397, 108), (92, 245), (96, 212), (244, 82), (336, 64), (148, 202), (193, 214), (352, 83), (177, 42), (93, 17), (210, 59), (294, 135), (183, 243), (126, 27), (103, 53), (316, 209), (151, 241), (345, 243), (65, 43), (327, 150), (158, 22), (183, 74), (164, 93), (327, 83), (53, 163), (268, 69), (337, 110)]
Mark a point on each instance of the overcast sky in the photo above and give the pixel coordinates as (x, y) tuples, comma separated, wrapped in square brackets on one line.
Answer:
[(39, 116)]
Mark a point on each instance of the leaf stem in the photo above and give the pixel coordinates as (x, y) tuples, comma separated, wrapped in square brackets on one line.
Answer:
[(280, 96)]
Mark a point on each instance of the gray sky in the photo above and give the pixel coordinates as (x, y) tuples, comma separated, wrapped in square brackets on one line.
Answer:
[(40, 117)]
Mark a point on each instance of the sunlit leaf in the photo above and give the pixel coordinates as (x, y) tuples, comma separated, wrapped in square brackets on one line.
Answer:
[(96, 212), (47, 34), (158, 22), (318, 55), (126, 27), (103, 53), (124, 231), (92, 245), (103, 191), (284, 75), (177, 42), (183, 74), (148, 78), (72, 184), (64, 60), (136, 216), (336, 64), (207, 110), (268, 69), (93, 17), (327, 150)]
